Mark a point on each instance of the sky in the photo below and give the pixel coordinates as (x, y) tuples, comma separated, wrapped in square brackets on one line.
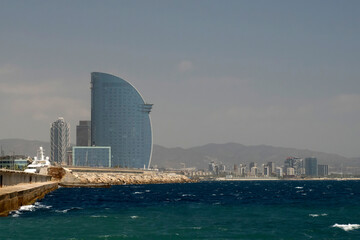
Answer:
[(281, 73)]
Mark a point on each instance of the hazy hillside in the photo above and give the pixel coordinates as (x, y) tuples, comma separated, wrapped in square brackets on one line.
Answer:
[(23, 147), (234, 153), (199, 157)]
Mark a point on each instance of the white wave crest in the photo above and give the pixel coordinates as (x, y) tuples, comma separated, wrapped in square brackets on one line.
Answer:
[(317, 215), (29, 208), (198, 228), (39, 205), (15, 213), (62, 211), (187, 195), (105, 236), (67, 210), (347, 227), (133, 217)]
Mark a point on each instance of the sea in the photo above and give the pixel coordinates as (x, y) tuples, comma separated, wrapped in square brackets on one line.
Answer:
[(205, 210)]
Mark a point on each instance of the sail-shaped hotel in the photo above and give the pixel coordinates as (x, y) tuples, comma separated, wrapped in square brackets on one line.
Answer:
[(120, 119)]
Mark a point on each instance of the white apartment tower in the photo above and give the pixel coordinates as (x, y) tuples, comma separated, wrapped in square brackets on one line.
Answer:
[(59, 140)]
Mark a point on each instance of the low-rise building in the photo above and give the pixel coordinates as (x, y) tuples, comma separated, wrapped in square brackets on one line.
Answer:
[(91, 156), (14, 162)]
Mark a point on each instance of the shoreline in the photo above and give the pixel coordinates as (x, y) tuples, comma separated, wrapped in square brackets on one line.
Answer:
[(105, 178), (286, 179)]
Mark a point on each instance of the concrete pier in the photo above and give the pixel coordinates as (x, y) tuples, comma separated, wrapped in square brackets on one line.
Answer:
[(18, 188), (12, 198)]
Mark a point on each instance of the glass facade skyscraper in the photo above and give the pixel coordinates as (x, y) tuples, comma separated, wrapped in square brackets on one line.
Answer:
[(120, 119), (311, 167), (323, 170), (83, 133)]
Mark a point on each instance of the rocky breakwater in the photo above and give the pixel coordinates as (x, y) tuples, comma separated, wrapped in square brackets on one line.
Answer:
[(103, 179)]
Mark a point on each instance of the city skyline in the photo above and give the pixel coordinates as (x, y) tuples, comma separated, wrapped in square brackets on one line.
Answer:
[(278, 73)]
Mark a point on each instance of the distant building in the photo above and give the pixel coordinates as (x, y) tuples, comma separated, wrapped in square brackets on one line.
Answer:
[(311, 167), (254, 171), (252, 164), (16, 162), (269, 169), (290, 171), (236, 170), (216, 170), (271, 166), (296, 163), (59, 140), (2, 152), (83, 133), (69, 159), (242, 170), (266, 171), (222, 168), (279, 171), (212, 167), (323, 170), (120, 118)]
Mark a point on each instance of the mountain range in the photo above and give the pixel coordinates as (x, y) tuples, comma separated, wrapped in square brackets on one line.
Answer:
[(200, 157)]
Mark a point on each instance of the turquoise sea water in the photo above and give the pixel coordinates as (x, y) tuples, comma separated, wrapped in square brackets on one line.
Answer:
[(207, 210)]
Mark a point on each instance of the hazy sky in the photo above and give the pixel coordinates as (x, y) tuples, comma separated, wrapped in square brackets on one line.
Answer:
[(282, 73)]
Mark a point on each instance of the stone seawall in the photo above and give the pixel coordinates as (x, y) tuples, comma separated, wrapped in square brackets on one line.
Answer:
[(13, 197), (111, 178)]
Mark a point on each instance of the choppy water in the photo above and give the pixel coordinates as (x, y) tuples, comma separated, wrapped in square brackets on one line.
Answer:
[(208, 210)]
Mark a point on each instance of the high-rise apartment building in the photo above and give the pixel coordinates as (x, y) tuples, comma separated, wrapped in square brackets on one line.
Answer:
[(120, 119), (311, 166), (323, 170), (279, 171), (59, 140), (271, 166), (83, 133), (252, 164), (296, 163)]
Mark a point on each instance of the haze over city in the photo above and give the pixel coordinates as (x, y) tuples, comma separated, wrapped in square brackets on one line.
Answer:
[(281, 73)]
